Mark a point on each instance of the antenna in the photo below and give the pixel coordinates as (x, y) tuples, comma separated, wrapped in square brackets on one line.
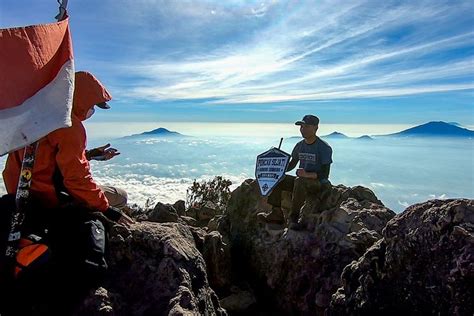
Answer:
[(281, 140)]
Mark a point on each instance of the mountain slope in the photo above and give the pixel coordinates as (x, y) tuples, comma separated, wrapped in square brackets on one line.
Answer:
[(438, 129)]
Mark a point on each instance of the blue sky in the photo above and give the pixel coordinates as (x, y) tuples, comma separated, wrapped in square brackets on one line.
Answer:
[(380, 62)]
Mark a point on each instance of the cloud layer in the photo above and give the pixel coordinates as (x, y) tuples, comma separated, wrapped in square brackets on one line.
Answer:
[(300, 51)]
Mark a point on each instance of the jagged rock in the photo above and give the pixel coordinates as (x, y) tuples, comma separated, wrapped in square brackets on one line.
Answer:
[(216, 253), (203, 214), (207, 211), (239, 301), (163, 213), (199, 235), (189, 220), (100, 301), (155, 269), (298, 271), (424, 265), (214, 223), (192, 212), (180, 207)]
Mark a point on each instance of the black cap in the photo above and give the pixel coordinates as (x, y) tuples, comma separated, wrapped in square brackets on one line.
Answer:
[(308, 120), (103, 105)]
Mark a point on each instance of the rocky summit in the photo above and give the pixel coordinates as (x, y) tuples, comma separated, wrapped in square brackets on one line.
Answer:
[(423, 265), (353, 256)]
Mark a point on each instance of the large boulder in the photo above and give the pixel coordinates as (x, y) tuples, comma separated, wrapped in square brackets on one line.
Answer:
[(155, 269), (163, 213), (296, 272), (424, 265)]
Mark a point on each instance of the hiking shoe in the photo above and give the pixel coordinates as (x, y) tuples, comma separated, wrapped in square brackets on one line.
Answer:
[(274, 217)]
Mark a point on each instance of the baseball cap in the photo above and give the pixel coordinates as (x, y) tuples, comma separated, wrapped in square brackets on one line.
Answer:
[(308, 120), (103, 105)]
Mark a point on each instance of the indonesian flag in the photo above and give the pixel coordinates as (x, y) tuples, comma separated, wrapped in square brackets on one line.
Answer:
[(36, 83)]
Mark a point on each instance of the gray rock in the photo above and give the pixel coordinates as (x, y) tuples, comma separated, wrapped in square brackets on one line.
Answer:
[(216, 253), (423, 265), (301, 269), (180, 207), (155, 269), (239, 301), (163, 213)]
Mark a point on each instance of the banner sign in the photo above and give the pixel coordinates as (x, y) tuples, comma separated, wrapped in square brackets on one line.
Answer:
[(36, 83), (270, 169)]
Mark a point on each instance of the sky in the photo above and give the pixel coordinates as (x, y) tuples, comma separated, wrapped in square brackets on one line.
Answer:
[(349, 62)]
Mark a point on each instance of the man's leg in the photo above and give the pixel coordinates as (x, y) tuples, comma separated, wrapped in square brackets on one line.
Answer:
[(274, 199), (302, 187), (116, 197)]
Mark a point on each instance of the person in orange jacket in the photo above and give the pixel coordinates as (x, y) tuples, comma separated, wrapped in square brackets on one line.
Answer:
[(64, 151)]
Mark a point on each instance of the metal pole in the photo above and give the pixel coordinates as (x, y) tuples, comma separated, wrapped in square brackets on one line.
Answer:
[(62, 9)]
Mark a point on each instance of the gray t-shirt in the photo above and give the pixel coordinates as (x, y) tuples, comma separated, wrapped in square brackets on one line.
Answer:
[(312, 156)]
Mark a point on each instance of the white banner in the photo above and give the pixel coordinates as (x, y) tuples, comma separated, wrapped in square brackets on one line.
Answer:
[(270, 169)]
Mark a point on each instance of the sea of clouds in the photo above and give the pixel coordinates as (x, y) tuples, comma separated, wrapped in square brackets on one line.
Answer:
[(400, 171)]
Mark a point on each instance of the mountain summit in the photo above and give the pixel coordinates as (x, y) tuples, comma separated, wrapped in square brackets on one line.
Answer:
[(161, 132), (158, 132), (435, 129)]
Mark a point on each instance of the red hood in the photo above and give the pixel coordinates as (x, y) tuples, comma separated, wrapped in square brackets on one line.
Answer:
[(88, 91)]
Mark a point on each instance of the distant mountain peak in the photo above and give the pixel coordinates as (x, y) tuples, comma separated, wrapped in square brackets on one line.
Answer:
[(336, 135), (365, 137), (161, 131), (435, 129)]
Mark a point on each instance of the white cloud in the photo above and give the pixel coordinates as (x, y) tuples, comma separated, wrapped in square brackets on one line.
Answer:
[(438, 197), (320, 52)]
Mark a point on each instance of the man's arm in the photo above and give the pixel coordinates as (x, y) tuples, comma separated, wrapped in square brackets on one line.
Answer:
[(322, 174), (292, 164), (101, 153), (74, 167)]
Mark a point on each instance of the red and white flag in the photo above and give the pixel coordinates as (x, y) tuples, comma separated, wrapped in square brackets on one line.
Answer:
[(36, 83)]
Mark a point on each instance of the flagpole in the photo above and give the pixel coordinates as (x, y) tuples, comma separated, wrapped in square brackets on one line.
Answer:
[(62, 9)]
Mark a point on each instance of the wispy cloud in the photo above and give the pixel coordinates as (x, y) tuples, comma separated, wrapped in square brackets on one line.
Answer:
[(356, 49)]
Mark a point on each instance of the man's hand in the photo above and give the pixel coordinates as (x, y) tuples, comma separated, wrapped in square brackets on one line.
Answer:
[(102, 153), (125, 220), (304, 174), (118, 216)]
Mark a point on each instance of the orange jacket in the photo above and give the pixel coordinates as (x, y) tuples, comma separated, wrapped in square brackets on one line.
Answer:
[(64, 149)]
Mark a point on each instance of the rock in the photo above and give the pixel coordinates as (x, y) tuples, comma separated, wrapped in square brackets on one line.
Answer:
[(180, 207), (206, 212), (163, 213), (300, 270), (99, 302), (216, 253), (155, 269), (203, 214), (214, 223), (189, 220), (423, 265), (240, 301)]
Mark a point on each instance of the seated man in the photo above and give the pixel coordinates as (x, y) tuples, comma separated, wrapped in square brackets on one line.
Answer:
[(315, 157)]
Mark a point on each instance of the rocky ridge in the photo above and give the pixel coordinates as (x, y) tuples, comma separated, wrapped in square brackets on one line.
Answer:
[(353, 257)]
